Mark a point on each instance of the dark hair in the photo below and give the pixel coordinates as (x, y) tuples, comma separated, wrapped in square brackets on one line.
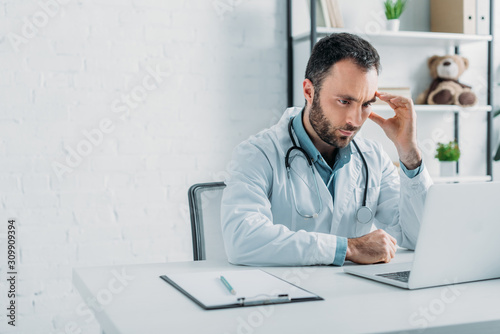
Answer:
[(336, 47)]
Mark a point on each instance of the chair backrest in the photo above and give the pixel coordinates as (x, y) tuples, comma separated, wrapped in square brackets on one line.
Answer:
[(206, 230)]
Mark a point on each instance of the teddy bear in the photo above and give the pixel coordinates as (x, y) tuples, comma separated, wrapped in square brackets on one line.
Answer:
[(445, 88)]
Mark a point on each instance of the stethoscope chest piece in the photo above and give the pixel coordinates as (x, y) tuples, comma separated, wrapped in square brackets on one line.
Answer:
[(364, 215)]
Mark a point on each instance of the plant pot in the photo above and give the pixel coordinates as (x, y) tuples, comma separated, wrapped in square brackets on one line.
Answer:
[(496, 170), (392, 25), (448, 168)]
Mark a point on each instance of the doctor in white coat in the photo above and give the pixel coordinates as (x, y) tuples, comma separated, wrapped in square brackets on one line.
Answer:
[(311, 212)]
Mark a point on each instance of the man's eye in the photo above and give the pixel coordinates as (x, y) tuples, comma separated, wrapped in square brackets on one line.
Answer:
[(343, 102), (367, 104)]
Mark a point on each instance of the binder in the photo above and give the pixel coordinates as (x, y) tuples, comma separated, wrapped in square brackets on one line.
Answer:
[(455, 16), (483, 17), (252, 287)]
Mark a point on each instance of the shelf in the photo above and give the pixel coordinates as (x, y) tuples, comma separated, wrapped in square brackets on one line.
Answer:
[(455, 179), (405, 38), (436, 108)]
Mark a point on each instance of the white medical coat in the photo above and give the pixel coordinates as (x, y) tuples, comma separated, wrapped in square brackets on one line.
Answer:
[(261, 226)]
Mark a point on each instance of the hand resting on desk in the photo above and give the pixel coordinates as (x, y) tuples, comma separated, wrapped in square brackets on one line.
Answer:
[(374, 247)]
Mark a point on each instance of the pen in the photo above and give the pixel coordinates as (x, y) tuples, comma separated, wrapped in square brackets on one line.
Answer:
[(227, 285)]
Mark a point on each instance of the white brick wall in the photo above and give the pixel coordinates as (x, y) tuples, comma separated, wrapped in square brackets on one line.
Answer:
[(125, 200)]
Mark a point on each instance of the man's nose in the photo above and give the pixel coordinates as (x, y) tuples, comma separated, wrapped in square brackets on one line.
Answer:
[(354, 117)]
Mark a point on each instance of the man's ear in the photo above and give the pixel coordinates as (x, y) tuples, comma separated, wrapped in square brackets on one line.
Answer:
[(308, 89)]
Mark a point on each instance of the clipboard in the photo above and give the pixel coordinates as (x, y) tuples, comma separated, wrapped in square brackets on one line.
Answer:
[(252, 287)]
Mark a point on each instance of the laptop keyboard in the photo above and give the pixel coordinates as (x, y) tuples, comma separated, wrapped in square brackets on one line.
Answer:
[(401, 276)]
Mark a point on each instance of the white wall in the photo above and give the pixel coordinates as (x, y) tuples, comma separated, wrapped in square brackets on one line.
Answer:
[(223, 78)]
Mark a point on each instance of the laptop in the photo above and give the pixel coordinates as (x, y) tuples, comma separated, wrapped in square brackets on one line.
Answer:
[(459, 240)]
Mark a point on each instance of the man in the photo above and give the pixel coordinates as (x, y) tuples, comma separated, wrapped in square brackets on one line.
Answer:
[(320, 210)]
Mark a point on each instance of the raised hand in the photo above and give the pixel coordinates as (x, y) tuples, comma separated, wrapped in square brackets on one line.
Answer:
[(401, 129)]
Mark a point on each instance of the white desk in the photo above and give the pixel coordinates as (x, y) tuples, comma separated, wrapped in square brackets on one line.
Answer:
[(147, 304)]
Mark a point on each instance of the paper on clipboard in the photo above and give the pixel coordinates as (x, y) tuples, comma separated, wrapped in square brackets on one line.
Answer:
[(207, 289)]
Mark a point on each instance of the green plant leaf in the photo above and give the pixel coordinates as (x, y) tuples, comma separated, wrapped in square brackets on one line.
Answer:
[(393, 10), (448, 152)]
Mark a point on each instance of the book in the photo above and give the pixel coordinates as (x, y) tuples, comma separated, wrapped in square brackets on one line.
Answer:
[(325, 12), (335, 14), (331, 14)]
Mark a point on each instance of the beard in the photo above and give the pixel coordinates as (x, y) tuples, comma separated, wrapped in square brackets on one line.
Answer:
[(325, 130)]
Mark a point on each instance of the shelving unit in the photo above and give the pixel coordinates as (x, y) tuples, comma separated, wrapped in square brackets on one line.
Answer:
[(404, 38), (450, 41)]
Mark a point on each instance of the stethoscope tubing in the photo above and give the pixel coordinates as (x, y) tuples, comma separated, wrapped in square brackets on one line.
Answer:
[(364, 211)]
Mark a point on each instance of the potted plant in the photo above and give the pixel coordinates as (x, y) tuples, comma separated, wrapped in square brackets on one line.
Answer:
[(393, 10), (448, 154)]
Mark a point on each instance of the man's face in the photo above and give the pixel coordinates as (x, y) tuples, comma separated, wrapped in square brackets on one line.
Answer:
[(343, 103)]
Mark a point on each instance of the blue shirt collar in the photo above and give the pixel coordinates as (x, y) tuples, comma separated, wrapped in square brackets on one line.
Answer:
[(343, 155)]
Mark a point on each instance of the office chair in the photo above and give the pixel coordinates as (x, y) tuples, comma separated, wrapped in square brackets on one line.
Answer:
[(206, 230)]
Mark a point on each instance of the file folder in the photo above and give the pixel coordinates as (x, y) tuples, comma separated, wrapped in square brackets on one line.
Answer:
[(483, 17), (252, 287), (455, 16)]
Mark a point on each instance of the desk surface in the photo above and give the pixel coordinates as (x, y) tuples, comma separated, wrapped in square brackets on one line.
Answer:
[(133, 299)]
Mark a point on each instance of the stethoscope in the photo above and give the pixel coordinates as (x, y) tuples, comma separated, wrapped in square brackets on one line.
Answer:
[(364, 214)]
